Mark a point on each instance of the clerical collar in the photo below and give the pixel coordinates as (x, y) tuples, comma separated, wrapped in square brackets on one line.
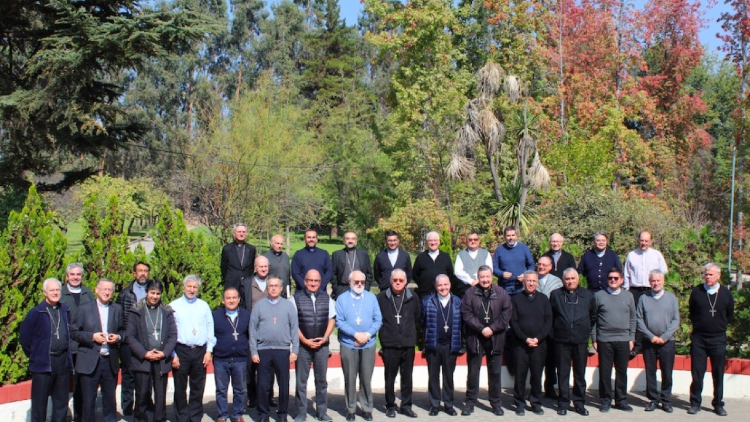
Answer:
[(277, 253), (530, 295), (444, 299), (614, 292), (712, 290), (600, 253), (393, 251), (102, 305), (74, 290), (511, 245), (231, 313), (152, 307), (657, 295), (239, 243), (433, 255), (51, 306), (352, 249), (191, 301), (311, 248), (273, 301)]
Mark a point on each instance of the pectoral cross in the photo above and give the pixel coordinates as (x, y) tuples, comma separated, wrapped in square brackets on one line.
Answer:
[(398, 319), (445, 327), (156, 335), (274, 320), (358, 320), (235, 335), (486, 318), (713, 312)]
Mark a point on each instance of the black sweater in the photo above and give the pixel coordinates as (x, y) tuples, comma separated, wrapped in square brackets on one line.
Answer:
[(426, 270), (393, 334), (531, 317), (699, 311)]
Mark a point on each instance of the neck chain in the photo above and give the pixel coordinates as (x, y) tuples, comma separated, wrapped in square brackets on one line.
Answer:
[(712, 305), (398, 308), (234, 325), (486, 311), (353, 261), (56, 324), (361, 301), (445, 317), (153, 324)]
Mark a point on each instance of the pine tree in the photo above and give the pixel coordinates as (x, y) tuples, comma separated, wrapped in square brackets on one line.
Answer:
[(31, 249)]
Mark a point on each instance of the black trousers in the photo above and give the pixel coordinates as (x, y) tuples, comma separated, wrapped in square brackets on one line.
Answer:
[(55, 384), (191, 372), (663, 354), (572, 355), (702, 348), (106, 378), (77, 393), (127, 386), (617, 353), (637, 292), (529, 360), (273, 361), (395, 360), (145, 383), (441, 361), (252, 383), (550, 367), (494, 368)]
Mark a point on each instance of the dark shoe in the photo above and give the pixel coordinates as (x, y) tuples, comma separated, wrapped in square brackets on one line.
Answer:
[(468, 410), (538, 410), (325, 418), (562, 411), (650, 407), (434, 411), (462, 350), (582, 411), (719, 410), (251, 404), (605, 407), (498, 411), (350, 417), (367, 416), (451, 411), (667, 407), (391, 412), (551, 395), (406, 411), (693, 410), (520, 411), (624, 407)]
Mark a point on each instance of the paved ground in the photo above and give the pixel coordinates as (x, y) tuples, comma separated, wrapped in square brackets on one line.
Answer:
[(738, 410)]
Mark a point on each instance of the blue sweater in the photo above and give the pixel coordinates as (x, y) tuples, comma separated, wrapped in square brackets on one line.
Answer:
[(595, 269), (311, 259), (349, 309), (516, 260), (226, 346)]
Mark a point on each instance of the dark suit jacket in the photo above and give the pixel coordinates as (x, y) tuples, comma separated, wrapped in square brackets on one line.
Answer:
[(233, 267), (341, 284), (382, 267), (566, 261), (137, 337), (85, 324)]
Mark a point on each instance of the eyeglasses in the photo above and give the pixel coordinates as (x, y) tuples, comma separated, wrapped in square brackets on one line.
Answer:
[(613, 278), (473, 240), (358, 281), (400, 280)]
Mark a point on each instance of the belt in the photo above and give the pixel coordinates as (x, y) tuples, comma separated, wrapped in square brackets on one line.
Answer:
[(60, 353), (104, 356), (191, 347)]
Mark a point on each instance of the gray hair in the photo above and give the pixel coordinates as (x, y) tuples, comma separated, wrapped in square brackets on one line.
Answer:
[(192, 277), (600, 233), (274, 277), (558, 234), (432, 233), (484, 268), (104, 280), (398, 271), (51, 280), (569, 270), (711, 265), (655, 272), (440, 277), (530, 272), (234, 228), (544, 257), (73, 265)]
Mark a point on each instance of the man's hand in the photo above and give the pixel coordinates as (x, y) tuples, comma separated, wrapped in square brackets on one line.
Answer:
[(292, 357), (596, 347), (154, 355), (100, 338), (507, 275), (207, 357), (256, 359), (360, 339), (632, 344), (113, 338), (176, 362), (474, 282), (487, 332)]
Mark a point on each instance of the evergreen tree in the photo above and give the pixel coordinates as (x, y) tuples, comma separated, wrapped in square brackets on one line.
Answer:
[(31, 249)]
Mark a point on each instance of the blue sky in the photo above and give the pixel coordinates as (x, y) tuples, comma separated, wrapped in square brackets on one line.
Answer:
[(350, 10)]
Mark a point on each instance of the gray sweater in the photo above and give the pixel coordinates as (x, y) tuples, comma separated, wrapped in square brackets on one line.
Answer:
[(265, 334), (615, 316), (658, 317)]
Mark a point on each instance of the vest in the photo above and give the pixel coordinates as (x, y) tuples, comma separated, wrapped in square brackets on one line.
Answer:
[(312, 323), (471, 265)]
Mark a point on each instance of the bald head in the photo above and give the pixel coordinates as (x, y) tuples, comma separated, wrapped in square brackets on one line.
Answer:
[(261, 267)]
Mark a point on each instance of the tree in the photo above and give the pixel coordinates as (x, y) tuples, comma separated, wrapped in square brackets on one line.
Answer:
[(60, 79), (31, 249)]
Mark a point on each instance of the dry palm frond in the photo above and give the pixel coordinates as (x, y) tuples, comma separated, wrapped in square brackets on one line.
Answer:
[(512, 88), (538, 175), (490, 77), (488, 123), (461, 168), (473, 108), (466, 138)]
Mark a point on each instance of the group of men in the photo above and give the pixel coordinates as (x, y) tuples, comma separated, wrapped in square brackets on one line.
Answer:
[(539, 317)]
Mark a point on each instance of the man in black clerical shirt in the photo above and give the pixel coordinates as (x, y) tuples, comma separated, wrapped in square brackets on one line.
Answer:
[(237, 258), (710, 309)]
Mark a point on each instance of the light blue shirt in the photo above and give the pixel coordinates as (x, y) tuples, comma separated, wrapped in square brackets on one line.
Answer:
[(139, 291), (195, 323), (331, 305), (104, 320), (357, 314)]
